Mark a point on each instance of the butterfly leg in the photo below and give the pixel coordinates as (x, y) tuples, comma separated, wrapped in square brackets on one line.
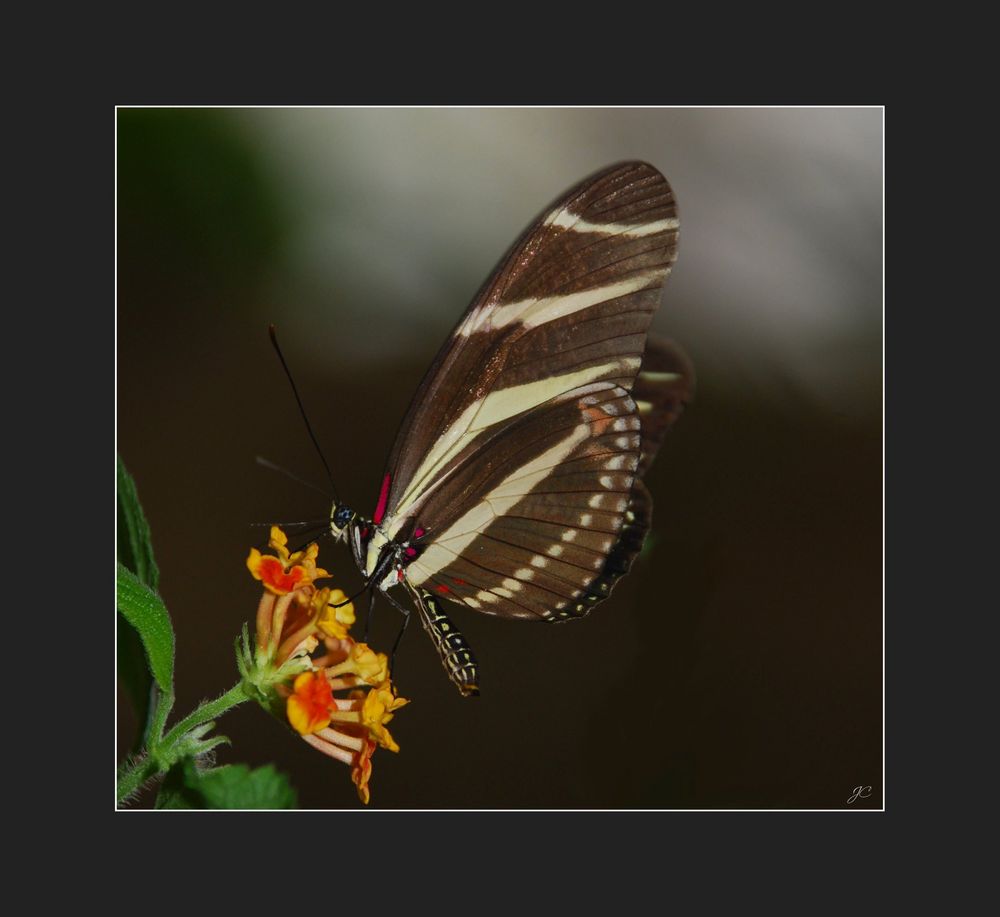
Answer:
[(399, 636), (368, 619), (406, 620)]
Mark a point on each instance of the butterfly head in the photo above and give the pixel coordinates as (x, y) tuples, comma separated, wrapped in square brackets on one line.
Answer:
[(341, 517)]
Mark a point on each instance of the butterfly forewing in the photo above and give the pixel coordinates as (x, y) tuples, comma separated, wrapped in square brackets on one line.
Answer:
[(567, 307)]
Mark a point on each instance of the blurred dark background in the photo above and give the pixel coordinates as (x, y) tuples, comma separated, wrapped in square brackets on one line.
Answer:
[(740, 663)]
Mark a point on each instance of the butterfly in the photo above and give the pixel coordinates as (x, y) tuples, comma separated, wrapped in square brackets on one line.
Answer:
[(514, 487)]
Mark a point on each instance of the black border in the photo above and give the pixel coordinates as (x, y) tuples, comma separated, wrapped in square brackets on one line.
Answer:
[(748, 855)]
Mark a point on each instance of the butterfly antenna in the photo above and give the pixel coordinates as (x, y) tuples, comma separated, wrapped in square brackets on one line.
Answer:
[(324, 533), (265, 463), (274, 340)]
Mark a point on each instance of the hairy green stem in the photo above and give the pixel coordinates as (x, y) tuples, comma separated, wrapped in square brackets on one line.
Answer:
[(207, 711), (158, 721), (163, 752), (132, 778)]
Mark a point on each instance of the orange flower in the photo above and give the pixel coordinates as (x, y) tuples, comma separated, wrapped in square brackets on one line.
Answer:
[(335, 622), (362, 771), (372, 712), (369, 666), (288, 677), (309, 707), (286, 629), (377, 710), (286, 572)]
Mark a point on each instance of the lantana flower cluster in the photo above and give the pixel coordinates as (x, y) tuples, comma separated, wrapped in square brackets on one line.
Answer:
[(307, 669)]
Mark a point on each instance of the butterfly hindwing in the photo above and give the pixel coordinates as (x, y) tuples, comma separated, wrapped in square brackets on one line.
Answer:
[(524, 533), (664, 386)]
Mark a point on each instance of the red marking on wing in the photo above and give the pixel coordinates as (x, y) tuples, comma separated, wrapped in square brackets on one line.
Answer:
[(383, 498), (601, 420), (442, 588), (411, 552), (418, 533), (458, 582)]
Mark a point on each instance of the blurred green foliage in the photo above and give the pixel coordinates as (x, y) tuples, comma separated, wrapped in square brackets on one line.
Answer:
[(194, 193)]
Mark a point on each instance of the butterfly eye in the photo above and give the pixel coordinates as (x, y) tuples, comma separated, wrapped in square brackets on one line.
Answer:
[(341, 517)]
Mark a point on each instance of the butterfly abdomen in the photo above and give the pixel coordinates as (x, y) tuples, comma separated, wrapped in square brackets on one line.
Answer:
[(453, 648)]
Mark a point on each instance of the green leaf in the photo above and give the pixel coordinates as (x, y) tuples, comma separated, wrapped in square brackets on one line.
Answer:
[(135, 551), (175, 793), (145, 611), (135, 546), (235, 786), (135, 677), (232, 786)]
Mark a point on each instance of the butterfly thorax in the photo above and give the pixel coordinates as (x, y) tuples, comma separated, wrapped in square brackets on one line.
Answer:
[(385, 559)]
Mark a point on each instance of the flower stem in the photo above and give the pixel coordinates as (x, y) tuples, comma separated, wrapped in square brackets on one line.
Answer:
[(164, 704), (163, 752), (131, 779), (207, 711)]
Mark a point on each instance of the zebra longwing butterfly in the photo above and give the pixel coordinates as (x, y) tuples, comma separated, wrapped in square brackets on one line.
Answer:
[(514, 486)]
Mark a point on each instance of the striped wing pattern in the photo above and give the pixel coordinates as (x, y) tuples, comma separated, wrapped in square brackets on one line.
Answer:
[(569, 305), (534, 527), (515, 472), (665, 384)]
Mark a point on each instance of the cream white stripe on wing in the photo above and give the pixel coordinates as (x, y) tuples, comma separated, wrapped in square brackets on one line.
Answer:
[(534, 312), (658, 377), (568, 220), (465, 529), (496, 407)]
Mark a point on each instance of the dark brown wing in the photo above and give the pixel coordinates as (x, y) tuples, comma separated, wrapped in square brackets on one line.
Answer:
[(568, 307), (515, 475), (664, 386), (528, 529)]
